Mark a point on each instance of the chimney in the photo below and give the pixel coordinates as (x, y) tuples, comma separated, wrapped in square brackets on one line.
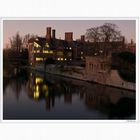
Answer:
[(82, 38), (53, 34), (69, 36), (48, 33)]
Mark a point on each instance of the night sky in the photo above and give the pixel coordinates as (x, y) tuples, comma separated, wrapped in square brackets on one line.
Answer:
[(78, 27)]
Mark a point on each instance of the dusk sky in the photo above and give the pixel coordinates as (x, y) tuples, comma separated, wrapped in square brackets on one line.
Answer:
[(78, 27)]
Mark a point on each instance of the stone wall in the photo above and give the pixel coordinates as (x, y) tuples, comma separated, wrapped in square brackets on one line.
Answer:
[(98, 70)]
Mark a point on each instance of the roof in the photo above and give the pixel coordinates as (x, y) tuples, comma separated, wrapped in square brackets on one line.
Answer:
[(59, 43)]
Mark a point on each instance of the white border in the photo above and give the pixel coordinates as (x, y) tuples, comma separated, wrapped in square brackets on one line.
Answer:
[(1, 71), (71, 121)]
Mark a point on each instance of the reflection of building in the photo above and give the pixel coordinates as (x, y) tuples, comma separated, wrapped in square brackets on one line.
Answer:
[(68, 98), (37, 88), (99, 102), (55, 91)]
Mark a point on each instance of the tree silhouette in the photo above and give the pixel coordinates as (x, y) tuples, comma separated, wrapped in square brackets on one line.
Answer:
[(16, 42), (26, 38), (109, 32), (93, 34), (106, 33)]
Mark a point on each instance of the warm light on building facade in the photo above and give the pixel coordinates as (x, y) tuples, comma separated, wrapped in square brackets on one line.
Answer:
[(60, 59), (39, 59), (36, 45), (51, 52), (47, 45), (45, 51)]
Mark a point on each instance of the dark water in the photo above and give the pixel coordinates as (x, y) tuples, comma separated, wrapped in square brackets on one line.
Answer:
[(32, 95)]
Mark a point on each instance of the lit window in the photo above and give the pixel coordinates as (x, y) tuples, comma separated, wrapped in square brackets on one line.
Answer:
[(45, 51), (58, 59), (38, 51), (39, 59), (70, 48), (62, 59), (65, 58), (36, 45), (51, 51), (81, 52), (47, 45), (101, 51)]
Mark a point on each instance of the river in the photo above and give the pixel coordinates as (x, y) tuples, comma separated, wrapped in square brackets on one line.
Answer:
[(32, 95)]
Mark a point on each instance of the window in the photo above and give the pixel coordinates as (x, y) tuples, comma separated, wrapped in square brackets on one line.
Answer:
[(39, 59), (36, 45), (45, 51), (51, 52), (47, 45)]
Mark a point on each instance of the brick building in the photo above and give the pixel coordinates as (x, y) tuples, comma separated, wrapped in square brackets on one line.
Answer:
[(42, 48)]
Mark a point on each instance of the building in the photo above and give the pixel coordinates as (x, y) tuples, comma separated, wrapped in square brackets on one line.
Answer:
[(42, 48), (98, 69), (131, 47)]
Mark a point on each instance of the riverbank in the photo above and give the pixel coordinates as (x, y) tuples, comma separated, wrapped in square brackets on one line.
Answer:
[(79, 73), (73, 72)]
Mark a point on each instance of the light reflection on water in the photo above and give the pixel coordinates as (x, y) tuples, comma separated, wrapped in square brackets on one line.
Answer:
[(34, 95)]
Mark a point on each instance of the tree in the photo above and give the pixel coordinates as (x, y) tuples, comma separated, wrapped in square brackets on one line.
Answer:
[(16, 42), (26, 39), (106, 33), (109, 32), (93, 34)]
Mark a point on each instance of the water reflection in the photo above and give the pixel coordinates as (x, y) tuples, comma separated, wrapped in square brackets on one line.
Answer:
[(16, 79), (44, 96)]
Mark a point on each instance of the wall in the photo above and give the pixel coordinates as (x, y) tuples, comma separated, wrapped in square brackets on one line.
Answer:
[(105, 76)]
